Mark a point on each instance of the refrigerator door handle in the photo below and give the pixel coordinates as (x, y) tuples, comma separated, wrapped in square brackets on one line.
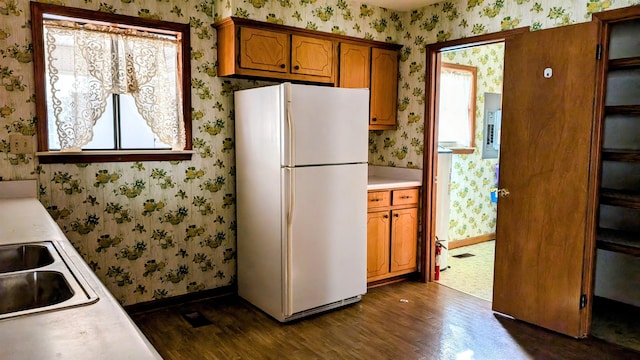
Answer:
[(292, 202), (290, 125)]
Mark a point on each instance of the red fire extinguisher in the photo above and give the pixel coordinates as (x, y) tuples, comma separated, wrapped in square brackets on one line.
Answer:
[(439, 247)]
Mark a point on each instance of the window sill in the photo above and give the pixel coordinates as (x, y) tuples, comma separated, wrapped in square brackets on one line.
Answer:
[(58, 157), (460, 150)]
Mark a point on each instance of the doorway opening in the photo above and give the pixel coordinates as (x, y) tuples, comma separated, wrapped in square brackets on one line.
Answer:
[(434, 58), (469, 103)]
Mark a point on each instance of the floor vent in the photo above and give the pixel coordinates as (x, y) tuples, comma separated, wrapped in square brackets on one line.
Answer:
[(464, 255), (195, 318)]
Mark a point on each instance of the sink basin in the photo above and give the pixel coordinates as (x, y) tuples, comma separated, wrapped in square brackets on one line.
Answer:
[(24, 257), (39, 277), (33, 289)]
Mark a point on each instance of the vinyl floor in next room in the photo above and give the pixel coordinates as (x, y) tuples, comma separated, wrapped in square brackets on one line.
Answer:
[(405, 320), (474, 274)]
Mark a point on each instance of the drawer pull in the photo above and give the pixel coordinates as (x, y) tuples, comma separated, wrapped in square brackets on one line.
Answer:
[(406, 197), (375, 200)]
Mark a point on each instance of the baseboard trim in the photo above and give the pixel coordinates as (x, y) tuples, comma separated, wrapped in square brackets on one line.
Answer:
[(471, 240), (391, 280), (154, 305)]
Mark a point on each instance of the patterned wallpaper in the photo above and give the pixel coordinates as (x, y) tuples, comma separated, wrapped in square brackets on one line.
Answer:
[(471, 211), (152, 230)]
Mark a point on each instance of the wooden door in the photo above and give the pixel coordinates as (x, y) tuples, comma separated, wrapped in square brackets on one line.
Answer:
[(404, 239), (311, 56), (264, 50), (384, 88), (544, 164), (377, 244), (355, 66)]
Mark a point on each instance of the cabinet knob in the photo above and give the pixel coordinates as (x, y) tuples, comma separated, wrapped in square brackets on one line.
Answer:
[(374, 119), (385, 216), (396, 215), (282, 66), (297, 67)]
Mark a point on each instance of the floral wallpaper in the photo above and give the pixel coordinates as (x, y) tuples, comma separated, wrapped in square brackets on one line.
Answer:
[(149, 230), (471, 211), (152, 230)]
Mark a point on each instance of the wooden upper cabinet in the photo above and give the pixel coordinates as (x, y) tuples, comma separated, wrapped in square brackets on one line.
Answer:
[(261, 50), (311, 56), (264, 50), (384, 89), (355, 66)]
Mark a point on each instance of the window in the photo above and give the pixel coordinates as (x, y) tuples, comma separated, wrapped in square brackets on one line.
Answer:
[(110, 87), (457, 106)]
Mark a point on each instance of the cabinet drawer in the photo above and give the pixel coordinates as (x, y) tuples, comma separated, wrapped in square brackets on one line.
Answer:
[(402, 197), (378, 199)]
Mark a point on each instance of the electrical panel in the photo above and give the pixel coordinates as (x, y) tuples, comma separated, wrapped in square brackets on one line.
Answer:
[(492, 121)]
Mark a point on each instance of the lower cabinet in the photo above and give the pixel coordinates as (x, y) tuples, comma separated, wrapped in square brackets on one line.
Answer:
[(378, 244), (392, 233)]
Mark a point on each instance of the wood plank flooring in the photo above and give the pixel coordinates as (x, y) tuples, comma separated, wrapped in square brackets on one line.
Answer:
[(436, 323)]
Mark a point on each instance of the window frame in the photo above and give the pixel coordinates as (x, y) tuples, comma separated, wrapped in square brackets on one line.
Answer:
[(457, 149), (46, 156)]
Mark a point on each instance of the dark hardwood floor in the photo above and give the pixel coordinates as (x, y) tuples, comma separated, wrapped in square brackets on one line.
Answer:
[(435, 322)]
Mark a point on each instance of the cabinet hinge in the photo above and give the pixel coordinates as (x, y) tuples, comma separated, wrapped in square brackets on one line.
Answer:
[(598, 52), (583, 301)]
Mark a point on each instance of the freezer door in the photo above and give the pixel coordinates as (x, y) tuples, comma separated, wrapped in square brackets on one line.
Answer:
[(326, 241), (329, 125)]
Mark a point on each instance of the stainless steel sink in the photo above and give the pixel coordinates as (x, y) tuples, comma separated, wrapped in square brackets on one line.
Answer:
[(39, 277), (24, 257), (33, 289)]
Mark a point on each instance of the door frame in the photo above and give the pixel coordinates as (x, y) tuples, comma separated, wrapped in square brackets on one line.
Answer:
[(429, 160)]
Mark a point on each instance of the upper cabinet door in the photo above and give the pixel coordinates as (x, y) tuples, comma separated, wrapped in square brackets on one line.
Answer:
[(264, 50), (311, 56), (384, 89), (541, 241), (355, 65)]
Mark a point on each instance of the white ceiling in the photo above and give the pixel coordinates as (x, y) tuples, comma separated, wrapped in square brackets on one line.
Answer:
[(400, 5)]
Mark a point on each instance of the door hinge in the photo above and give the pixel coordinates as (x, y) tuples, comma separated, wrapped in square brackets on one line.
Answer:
[(598, 52), (583, 301)]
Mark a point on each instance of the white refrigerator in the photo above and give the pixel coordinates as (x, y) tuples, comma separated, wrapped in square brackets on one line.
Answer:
[(301, 185)]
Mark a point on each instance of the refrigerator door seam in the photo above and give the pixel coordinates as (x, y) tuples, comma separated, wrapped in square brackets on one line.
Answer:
[(321, 165)]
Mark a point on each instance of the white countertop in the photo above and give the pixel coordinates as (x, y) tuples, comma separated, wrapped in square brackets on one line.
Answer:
[(101, 330), (384, 177), (379, 183)]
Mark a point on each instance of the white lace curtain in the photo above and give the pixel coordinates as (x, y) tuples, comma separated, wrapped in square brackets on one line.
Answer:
[(454, 123), (98, 61)]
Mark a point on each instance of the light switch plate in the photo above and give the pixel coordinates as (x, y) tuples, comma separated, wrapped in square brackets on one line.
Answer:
[(20, 144)]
